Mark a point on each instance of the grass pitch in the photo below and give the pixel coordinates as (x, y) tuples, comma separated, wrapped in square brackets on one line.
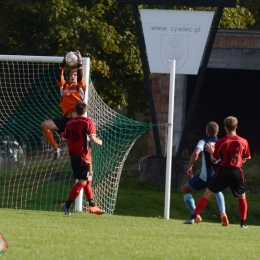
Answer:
[(138, 229), (44, 235)]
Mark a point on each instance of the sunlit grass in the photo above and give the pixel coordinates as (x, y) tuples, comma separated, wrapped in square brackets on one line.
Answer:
[(52, 235), (138, 229)]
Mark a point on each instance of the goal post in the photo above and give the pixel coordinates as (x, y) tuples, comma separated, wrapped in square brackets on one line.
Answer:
[(54, 59), (29, 177)]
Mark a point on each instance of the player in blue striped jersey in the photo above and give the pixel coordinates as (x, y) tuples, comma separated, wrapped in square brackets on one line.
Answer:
[(201, 181)]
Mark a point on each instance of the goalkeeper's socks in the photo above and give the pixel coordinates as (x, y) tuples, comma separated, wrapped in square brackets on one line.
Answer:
[(49, 136)]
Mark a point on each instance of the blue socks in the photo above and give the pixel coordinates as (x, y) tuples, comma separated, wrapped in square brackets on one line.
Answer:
[(221, 202), (188, 199)]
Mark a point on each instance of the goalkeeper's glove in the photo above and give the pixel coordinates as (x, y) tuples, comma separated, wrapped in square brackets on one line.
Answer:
[(63, 63), (79, 58)]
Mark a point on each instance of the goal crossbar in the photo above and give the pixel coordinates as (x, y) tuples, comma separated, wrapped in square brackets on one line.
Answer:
[(24, 58)]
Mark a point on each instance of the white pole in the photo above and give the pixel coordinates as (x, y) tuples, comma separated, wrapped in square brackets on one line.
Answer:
[(86, 69), (169, 141), (86, 72), (24, 58)]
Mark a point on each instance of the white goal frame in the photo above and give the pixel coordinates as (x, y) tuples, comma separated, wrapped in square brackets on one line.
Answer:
[(54, 59)]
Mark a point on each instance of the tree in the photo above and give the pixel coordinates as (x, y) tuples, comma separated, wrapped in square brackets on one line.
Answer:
[(237, 18), (254, 7), (101, 29)]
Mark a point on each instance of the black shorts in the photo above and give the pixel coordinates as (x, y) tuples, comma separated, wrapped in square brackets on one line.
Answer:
[(80, 168), (61, 123), (228, 177)]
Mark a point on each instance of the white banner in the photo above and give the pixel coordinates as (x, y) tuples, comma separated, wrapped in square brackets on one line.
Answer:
[(175, 35)]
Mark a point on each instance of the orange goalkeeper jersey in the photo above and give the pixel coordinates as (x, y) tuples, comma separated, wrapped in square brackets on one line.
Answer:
[(70, 93)]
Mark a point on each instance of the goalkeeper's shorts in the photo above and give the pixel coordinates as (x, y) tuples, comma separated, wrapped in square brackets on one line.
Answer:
[(61, 123)]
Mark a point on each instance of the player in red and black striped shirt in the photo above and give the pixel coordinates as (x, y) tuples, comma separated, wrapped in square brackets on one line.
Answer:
[(79, 133), (232, 151)]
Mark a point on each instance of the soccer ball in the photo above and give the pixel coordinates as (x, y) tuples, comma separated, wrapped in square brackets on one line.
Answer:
[(71, 59)]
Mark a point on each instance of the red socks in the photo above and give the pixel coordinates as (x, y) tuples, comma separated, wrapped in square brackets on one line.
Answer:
[(200, 206), (74, 193), (88, 190), (242, 206)]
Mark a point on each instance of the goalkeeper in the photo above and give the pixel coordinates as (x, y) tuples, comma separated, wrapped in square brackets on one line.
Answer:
[(70, 93), (78, 134)]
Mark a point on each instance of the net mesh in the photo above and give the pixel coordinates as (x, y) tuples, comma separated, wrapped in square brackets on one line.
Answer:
[(29, 177)]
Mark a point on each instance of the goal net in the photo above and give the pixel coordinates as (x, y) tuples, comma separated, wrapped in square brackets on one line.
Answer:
[(29, 177)]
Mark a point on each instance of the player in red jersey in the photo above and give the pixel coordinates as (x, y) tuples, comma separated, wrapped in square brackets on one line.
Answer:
[(70, 94), (232, 151), (79, 133)]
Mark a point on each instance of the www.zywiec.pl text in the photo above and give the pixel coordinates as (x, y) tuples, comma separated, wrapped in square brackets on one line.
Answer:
[(176, 29)]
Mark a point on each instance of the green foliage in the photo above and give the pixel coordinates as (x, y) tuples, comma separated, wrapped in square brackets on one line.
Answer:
[(237, 18), (102, 30), (254, 7)]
